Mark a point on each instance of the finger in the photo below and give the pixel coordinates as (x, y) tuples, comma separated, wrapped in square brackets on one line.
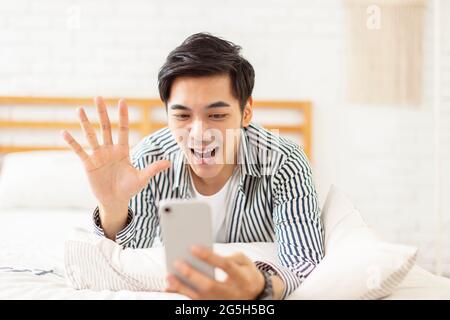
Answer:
[(177, 286), (88, 129), (153, 169), (123, 123), (201, 282), (74, 145), (104, 120), (240, 258), (225, 263)]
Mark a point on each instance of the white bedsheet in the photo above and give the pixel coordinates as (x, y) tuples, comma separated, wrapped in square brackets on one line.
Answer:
[(34, 240), (32, 243)]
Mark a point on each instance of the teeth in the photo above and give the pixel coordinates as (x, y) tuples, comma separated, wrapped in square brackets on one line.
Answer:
[(206, 154)]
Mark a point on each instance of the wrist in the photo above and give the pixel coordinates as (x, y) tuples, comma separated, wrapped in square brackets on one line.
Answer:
[(278, 287), (113, 218), (267, 292), (116, 206), (113, 212), (261, 284)]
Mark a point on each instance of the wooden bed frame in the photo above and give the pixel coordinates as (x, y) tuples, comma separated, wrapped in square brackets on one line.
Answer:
[(145, 125)]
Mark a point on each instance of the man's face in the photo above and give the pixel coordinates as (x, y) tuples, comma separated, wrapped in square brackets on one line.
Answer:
[(205, 119)]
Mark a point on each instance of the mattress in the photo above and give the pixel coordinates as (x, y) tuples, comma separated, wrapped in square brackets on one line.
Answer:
[(32, 261)]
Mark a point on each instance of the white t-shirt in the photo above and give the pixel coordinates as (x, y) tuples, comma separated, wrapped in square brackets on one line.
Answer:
[(220, 203)]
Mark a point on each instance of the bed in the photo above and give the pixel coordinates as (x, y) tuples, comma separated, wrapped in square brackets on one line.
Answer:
[(32, 244), (36, 218)]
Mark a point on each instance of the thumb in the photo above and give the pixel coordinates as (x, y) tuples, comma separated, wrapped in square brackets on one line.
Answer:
[(153, 169)]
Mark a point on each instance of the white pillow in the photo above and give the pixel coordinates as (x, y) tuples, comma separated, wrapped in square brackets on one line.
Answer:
[(357, 264), (44, 179)]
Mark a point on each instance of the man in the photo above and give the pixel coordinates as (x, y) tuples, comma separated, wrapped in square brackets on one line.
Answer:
[(259, 185)]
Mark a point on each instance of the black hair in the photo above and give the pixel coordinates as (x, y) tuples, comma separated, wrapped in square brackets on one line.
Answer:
[(203, 54)]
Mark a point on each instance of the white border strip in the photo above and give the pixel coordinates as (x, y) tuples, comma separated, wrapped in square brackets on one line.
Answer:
[(437, 139)]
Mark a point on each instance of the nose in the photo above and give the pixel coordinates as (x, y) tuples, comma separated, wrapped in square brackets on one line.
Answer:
[(197, 130), (196, 134)]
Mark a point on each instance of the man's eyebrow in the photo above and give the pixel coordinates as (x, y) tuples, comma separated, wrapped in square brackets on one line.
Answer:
[(179, 107), (217, 104)]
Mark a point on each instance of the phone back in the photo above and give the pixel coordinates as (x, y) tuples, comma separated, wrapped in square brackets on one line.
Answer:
[(185, 223)]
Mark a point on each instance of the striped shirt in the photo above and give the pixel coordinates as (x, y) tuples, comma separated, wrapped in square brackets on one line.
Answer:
[(275, 200)]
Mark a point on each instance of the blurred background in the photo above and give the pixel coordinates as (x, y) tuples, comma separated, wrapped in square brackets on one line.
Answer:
[(377, 75)]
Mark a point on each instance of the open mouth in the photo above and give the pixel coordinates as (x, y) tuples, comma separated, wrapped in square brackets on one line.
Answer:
[(201, 155)]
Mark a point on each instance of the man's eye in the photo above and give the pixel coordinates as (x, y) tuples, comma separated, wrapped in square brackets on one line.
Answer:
[(181, 116), (217, 116)]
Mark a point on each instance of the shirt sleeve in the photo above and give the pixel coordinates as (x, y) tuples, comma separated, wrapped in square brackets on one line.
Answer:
[(124, 236), (143, 220), (298, 226)]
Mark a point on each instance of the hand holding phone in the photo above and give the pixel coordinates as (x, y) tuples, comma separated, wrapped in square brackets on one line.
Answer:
[(185, 223)]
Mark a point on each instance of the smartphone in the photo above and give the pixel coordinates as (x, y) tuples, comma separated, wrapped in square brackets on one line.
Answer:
[(184, 223)]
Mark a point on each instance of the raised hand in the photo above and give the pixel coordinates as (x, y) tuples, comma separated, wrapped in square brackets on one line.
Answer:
[(112, 177)]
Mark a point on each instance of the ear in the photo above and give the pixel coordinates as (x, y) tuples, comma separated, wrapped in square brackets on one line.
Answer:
[(247, 113)]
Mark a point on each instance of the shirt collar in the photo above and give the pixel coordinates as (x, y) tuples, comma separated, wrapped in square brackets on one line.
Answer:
[(247, 156), (180, 170)]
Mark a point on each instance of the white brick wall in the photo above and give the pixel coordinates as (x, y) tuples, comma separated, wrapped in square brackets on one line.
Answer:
[(381, 156)]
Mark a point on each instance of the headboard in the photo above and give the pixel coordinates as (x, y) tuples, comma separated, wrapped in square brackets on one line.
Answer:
[(296, 121)]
